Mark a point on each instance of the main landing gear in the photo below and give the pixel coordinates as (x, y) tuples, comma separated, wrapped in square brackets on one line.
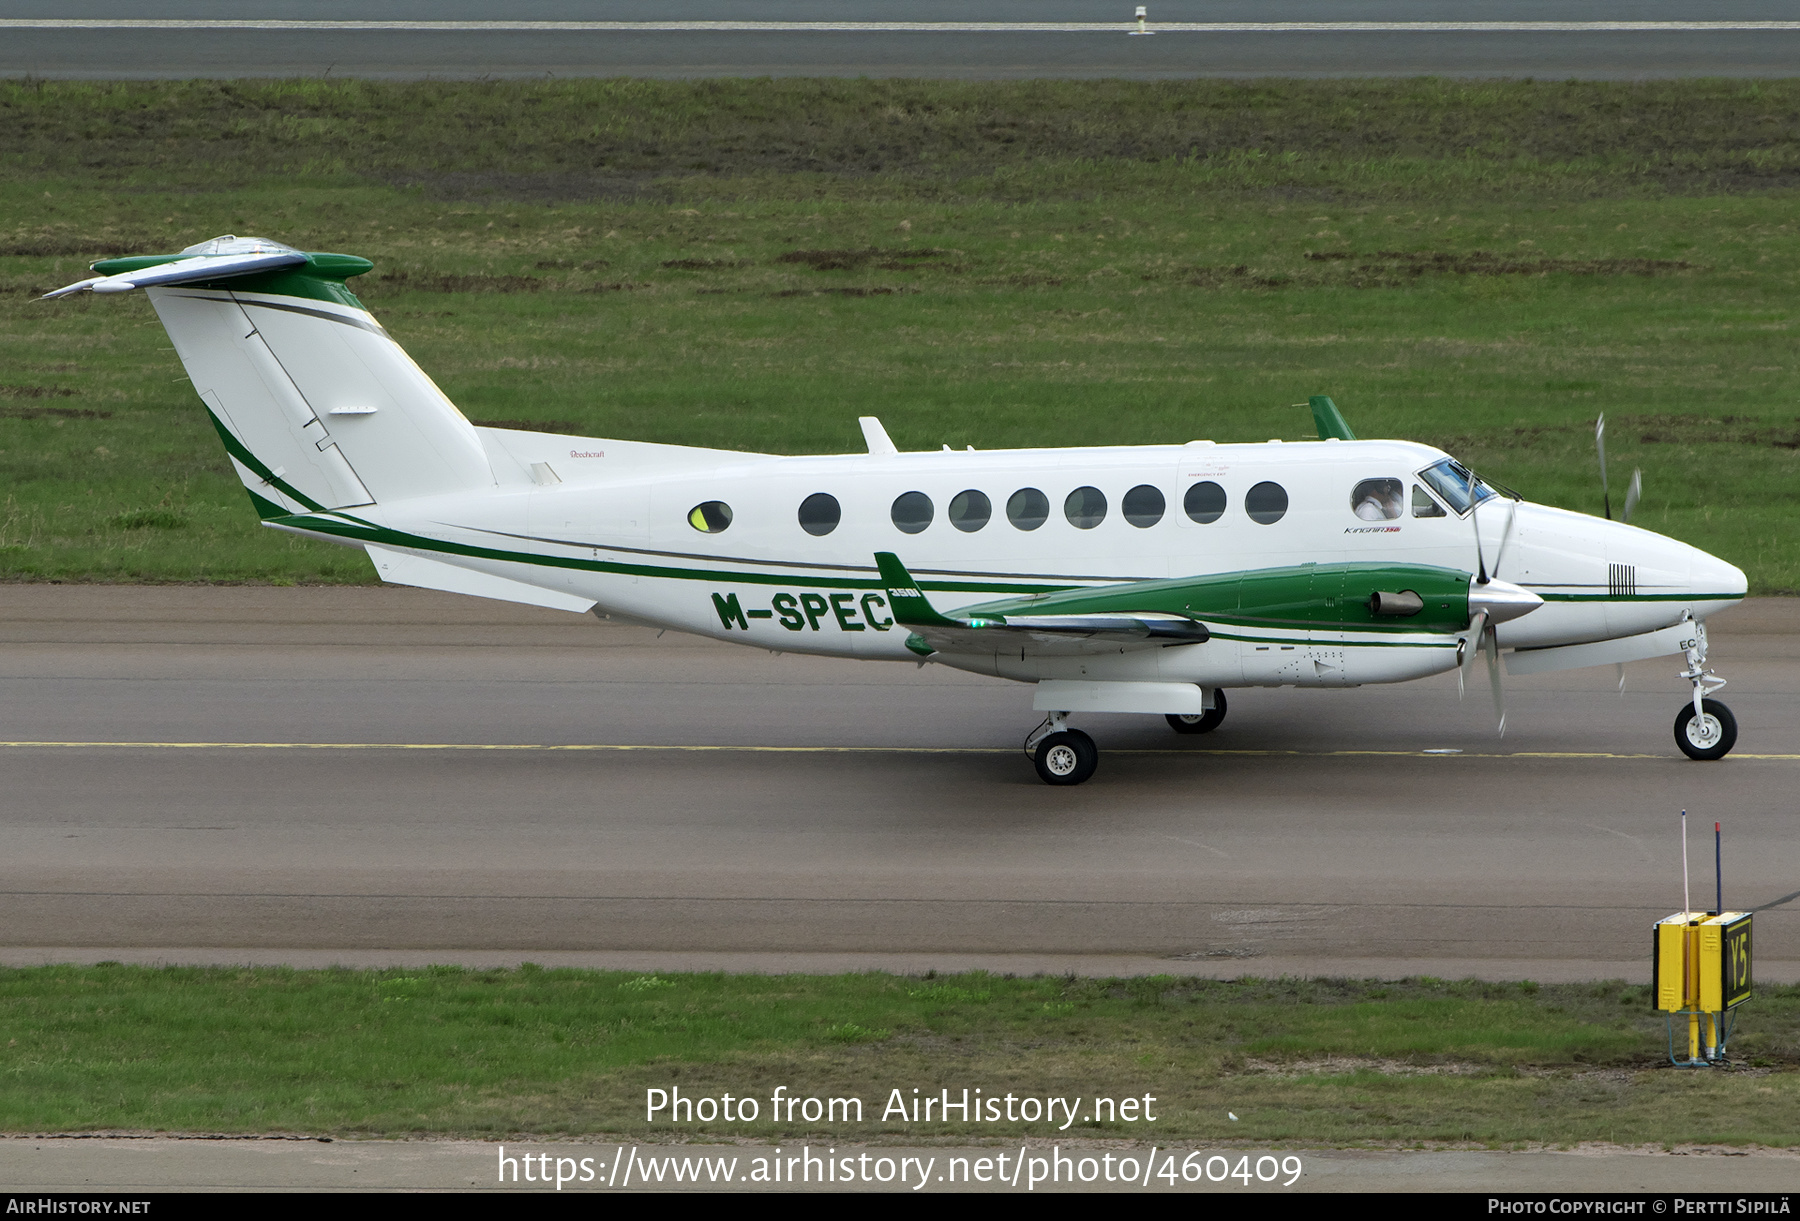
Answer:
[(1206, 722), (1704, 729), (1068, 756)]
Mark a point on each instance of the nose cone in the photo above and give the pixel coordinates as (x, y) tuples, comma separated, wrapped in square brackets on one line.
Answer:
[(1502, 600), (1713, 580)]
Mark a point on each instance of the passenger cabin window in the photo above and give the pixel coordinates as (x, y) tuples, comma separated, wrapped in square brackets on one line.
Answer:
[(1424, 505), (711, 517), (1143, 506), (1085, 508), (1028, 508), (1266, 503), (912, 512), (1455, 486), (1378, 499), (820, 514), (1204, 502), (970, 510)]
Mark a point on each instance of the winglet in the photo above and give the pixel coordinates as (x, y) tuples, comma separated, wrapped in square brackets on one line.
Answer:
[(1329, 420), (909, 605)]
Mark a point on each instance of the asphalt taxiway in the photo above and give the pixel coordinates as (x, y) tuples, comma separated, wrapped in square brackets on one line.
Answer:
[(389, 775), (985, 39)]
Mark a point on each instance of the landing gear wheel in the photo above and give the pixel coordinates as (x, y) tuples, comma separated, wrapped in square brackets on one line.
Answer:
[(1710, 736), (1206, 722), (1066, 757)]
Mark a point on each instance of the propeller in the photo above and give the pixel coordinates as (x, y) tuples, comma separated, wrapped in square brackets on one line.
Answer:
[(1491, 603), (1633, 493), (1600, 448)]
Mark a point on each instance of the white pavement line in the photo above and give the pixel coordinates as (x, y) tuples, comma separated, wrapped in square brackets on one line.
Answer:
[(890, 27)]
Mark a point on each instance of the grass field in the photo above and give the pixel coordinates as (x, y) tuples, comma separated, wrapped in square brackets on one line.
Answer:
[(753, 264), (541, 1052)]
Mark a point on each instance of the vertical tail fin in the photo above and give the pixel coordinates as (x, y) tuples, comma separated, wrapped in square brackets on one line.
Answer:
[(317, 405)]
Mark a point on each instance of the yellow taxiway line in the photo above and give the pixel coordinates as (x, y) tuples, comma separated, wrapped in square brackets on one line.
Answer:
[(1440, 753)]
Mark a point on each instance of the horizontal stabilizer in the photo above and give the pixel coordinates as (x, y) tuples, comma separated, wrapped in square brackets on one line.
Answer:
[(402, 568), (186, 271), (1601, 652)]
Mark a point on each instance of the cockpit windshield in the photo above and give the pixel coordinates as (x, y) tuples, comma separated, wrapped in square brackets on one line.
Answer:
[(1456, 486)]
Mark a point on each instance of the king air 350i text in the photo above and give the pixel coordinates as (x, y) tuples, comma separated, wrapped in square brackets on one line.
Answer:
[(1146, 579)]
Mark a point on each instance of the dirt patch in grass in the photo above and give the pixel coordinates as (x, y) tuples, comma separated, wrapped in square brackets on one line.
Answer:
[(53, 413), (873, 256), (64, 246), (878, 290), (445, 282), (35, 392), (565, 427), (703, 264), (1395, 264)]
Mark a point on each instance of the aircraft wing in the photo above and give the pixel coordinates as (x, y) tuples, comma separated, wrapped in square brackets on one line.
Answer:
[(1063, 634)]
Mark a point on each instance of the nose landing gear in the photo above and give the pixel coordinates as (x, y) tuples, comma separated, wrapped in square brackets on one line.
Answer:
[(1704, 729)]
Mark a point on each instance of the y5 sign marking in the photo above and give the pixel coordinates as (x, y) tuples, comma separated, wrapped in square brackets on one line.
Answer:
[(808, 612)]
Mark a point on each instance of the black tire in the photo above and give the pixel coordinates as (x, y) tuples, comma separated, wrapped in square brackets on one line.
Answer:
[(1206, 722), (1697, 748), (1066, 757)]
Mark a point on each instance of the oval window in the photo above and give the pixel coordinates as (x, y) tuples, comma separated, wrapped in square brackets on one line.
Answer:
[(1028, 508), (1377, 499), (1266, 503), (820, 514), (970, 510), (1204, 502), (711, 517), (1143, 506), (1085, 508), (912, 512)]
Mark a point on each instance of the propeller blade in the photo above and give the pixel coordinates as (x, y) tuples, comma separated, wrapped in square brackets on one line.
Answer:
[(1471, 646), (1512, 511), (1600, 448), (1491, 639), (1634, 493), (1481, 572)]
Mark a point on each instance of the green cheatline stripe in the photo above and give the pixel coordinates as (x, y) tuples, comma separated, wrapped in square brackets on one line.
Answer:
[(368, 532), (236, 449), (1423, 752)]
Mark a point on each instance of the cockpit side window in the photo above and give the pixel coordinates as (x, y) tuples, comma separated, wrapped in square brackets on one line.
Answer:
[(1455, 486), (1424, 505), (1378, 499)]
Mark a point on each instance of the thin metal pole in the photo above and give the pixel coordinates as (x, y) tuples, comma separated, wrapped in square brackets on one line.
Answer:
[(1686, 903), (1719, 866)]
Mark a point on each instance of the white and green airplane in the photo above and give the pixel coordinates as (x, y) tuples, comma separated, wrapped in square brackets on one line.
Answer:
[(1142, 579)]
